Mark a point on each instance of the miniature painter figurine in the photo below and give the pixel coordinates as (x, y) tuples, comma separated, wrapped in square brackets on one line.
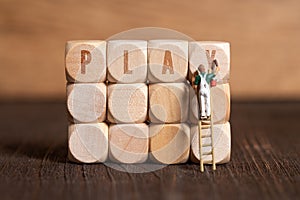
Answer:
[(204, 80)]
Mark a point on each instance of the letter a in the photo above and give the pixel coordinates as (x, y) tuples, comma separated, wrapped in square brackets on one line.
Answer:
[(168, 63)]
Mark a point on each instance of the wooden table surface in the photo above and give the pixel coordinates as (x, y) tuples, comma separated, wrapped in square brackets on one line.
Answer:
[(264, 165)]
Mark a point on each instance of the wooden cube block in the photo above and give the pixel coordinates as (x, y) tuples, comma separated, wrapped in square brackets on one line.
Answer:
[(204, 53), (127, 103), (168, 60), (127, 61), (88, 143), (220, 98), (86, 61), (86, 102), (168, 102), (221, 143), (128, 143), (169, 143)]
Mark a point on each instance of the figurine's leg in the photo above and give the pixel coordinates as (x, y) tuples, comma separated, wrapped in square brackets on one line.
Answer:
[(202, 106), (207, 105)]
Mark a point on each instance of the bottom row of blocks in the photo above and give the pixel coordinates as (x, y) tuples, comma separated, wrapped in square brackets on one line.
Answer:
[(139, 143)]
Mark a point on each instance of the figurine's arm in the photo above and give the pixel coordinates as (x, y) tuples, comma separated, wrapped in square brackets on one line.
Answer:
[(196, 82), (211, 76), (216, 69)]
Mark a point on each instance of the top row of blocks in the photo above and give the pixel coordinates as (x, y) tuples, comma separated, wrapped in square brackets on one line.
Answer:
[(139, 61)]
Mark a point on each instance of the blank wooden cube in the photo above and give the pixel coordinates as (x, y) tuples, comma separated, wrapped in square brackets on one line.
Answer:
[(220, 98), (168, 102), (169, 143), (168, 60), (86, 61), (128, 143), (221, 143), (204, 53), (127, 103), (127, 61), (88, 143), (86, 102)]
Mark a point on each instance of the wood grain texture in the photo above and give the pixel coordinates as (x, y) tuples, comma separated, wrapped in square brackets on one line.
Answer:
[(221, 143), (88, 143), (128, 143), (34, 32), (265, 160), (168, 60), (220, 95), (86, 102), (127, 103), (203, 53), (85, 61), (168, 102), (169, 143), (127, 61)]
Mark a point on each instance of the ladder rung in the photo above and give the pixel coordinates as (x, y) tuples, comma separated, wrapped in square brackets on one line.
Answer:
[(205, 121), (205, 136), (207, 153), (206, 145), (204, 126)]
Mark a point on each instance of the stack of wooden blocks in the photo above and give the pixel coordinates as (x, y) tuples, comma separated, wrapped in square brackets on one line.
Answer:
[(130, 101)]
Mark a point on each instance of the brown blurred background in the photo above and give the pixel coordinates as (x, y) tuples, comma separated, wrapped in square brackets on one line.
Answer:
[(264, 37)]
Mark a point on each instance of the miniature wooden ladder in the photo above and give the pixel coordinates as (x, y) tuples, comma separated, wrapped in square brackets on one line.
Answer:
[(203, 124)]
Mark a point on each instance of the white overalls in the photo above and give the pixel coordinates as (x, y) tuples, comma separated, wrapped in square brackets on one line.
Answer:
[(204, 96)]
